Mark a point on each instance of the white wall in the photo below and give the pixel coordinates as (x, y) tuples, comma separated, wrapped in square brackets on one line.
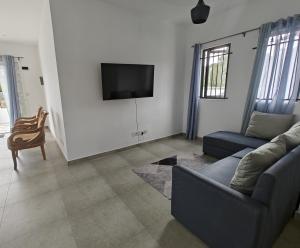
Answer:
[(90, 32), (227, 114), (33, 90), (51, 80)]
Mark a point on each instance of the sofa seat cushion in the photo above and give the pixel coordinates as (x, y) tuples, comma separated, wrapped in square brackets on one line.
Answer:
[(222, 144), (221, 171), (242, 153)]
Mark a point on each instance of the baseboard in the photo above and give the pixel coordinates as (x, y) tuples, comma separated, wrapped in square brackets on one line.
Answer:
[(100, 155)]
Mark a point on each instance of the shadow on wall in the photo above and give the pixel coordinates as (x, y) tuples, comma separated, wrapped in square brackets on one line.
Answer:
[(57, 126), (179, 69)]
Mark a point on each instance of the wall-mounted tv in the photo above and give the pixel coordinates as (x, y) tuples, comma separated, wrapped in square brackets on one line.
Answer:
[(123, 81)]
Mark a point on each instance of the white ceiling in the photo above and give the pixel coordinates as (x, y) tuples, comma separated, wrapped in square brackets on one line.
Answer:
[(20, 20), (173, 10)]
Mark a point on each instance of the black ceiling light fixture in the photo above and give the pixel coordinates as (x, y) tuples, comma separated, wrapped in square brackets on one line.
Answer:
[(200, 12)]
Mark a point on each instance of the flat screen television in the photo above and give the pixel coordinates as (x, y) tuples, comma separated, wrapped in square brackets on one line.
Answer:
[(123, 81)]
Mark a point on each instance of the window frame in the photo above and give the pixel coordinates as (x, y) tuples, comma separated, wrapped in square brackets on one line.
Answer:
[(203, 90)]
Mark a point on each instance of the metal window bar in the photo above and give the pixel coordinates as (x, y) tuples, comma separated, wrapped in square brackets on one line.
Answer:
[(215, 72), (205, 57), (269, 81)]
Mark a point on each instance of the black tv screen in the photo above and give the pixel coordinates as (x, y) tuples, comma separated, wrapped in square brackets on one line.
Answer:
[(123, 81)]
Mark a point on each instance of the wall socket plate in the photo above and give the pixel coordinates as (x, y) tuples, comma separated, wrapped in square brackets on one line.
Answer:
[(139, 133)]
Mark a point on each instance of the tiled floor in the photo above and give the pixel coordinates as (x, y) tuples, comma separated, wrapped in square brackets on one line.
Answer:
[(99, 203)]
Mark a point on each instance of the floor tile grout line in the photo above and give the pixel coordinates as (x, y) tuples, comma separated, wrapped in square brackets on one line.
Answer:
[(4, 206)]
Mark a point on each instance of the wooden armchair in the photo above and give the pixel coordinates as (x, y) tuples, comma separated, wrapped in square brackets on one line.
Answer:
[(26, 139), (27, 123)]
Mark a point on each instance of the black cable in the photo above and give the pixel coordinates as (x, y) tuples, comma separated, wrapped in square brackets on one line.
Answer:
[(136, 118)]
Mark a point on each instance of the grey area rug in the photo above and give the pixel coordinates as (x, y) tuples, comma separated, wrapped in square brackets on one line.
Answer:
[(159, 174)]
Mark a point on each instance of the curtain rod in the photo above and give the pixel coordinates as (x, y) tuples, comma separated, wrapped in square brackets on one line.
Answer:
[(228, 36), (16, 57)]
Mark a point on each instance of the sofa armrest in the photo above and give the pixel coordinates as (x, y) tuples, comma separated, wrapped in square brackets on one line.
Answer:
[(218, 215)]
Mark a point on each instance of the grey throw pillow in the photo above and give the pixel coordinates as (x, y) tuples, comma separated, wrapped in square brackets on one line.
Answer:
[(268, 126), (291, 137), (255, 163)]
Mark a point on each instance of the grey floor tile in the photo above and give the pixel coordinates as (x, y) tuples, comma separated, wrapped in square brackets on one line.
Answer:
[(3, 194), (117, 222), (86, 232), (291, 233), (57, 234), (96, 189), (124, 180), (107, 224), (26, 169), (110, 164), (86, 194), (5, 175), (143, 239), (159, 149), (82, 171), (29, 215), (180, 143), (138, 156), (29, 187), (73, 199), (174, 235), (149, 206), (63, 176)]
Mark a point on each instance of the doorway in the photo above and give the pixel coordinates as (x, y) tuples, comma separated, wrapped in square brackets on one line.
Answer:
[(4, 116)]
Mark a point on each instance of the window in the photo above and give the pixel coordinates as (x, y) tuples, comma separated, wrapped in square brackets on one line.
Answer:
[(273, 67), (214, 72)]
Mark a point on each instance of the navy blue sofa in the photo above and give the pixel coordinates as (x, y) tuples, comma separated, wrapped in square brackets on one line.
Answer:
[(223, 217)]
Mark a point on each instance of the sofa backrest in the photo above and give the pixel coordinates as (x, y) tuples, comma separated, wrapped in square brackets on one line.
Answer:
[(278, 188)]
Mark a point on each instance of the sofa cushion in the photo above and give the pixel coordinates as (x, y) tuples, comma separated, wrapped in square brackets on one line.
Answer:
[(242, 153), (291, 137), (222, 144), (255, 163), (221, 171), (268, 126)]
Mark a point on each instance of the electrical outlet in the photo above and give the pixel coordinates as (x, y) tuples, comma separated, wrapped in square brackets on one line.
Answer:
[(143, 132), (139, 133)]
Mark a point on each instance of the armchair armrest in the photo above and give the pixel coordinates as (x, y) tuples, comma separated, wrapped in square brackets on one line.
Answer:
[(23, 121), (26, 118), (219, 215), (26, 121)]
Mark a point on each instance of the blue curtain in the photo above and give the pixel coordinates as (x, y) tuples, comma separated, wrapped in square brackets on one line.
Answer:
[(13, 104), (274, 86), (193, 107)]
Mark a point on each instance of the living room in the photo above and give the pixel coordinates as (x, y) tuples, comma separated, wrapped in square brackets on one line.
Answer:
[(156, 166)]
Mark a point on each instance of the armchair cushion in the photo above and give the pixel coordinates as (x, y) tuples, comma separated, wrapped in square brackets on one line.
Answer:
[(26, 136)]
